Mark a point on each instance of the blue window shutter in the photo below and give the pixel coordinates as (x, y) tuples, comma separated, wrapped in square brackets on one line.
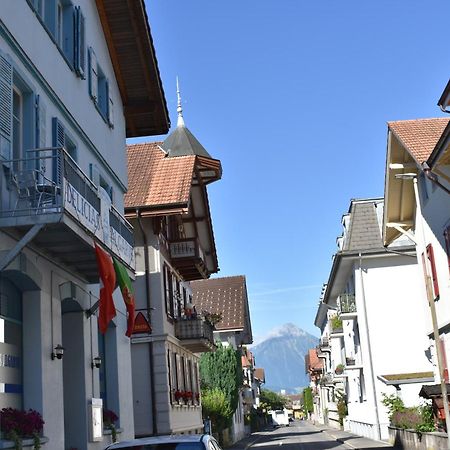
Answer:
[(80, 43), (94, 174), (110, 105), (93, 76), (59, 140), (6, 102)]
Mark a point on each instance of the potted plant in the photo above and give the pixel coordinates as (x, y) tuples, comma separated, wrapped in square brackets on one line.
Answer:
[(339, 369), (17, 424), (109, 420), (336, 323)]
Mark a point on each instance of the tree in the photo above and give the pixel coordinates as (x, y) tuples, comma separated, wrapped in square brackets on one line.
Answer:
[(217, 408), (308, 403), (272, 400), (222, 370)]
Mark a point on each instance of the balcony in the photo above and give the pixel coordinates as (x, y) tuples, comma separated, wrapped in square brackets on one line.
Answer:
[(347, 305), (195, 334), (189, 259), (49, 188), (324, 344)]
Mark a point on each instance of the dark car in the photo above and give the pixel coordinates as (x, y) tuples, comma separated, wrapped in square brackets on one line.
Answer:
[(178, 442)]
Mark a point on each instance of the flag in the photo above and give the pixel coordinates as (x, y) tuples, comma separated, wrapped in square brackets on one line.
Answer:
[(107, 274), (127, 293)]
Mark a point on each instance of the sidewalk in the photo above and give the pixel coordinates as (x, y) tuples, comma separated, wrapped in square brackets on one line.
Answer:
[(352, 440)]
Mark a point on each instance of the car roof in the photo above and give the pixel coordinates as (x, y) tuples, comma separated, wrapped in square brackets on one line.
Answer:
[(168, 439)]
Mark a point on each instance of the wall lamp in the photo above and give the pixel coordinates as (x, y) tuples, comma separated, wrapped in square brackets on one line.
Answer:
[(97, 362), (58, 352)]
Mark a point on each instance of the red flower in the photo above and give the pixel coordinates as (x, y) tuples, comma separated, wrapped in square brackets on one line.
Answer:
[(109, 417), (24, 423), (179, 395)]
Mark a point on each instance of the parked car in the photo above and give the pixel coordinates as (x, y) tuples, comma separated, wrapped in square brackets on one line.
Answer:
[(174, 442)]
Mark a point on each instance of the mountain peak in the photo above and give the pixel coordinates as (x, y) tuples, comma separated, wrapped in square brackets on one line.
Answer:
[(288, 329)]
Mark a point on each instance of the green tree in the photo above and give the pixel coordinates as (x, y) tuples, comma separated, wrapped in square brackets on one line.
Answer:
[(308, 403), (272, 400), (222, 370), (217, 408)]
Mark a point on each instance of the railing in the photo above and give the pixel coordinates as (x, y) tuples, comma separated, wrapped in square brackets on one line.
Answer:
[(347, 303), (197, 328), (324, 342), (326, 379), (186, 248), (49, 182)]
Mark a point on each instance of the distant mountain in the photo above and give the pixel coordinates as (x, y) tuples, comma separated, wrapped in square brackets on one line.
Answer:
[(282, 355)]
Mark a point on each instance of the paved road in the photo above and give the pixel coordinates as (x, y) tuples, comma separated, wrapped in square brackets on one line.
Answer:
[(302, 435)]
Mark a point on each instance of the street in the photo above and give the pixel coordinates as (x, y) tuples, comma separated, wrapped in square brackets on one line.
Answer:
[(302, 435)]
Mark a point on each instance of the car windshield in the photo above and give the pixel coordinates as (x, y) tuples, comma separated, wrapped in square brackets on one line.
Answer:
[(167, 446)]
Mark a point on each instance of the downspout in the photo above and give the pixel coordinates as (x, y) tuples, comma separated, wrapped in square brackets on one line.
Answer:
[(149, 318), (369, 349)]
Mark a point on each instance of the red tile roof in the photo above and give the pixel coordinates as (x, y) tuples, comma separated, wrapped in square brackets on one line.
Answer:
[(227, 296), (419, 136), (155, 180), (259, 374), (315, 363)]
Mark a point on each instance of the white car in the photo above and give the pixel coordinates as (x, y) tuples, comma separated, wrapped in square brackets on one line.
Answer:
[(174, 442)]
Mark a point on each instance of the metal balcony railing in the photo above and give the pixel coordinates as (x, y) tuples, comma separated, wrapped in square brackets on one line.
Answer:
[(49, 187), (195, 334), (347, 303), (186, 248)]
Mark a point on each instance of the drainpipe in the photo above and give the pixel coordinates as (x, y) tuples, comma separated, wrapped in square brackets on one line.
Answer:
[(369, 349), (149, 317)]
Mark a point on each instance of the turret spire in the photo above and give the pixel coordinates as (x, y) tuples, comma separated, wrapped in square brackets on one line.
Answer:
[(180, 121)]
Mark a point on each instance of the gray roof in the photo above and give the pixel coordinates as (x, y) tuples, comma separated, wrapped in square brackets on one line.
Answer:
[(181, 142), (364, 229)]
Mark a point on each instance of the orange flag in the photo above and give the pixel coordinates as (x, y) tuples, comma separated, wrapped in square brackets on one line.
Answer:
[(107, 274)]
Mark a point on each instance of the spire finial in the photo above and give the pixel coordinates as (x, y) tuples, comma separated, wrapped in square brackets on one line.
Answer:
[(180, 121)]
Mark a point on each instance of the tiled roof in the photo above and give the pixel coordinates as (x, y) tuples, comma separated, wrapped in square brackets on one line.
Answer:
[(315, 363), (419, 136), (227, 296), (260, 374), (155, 180)]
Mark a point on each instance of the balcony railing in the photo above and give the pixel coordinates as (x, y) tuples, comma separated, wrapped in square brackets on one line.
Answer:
[(347, 303), (188, 258), (196, 334), (48, 187), (324, 343)]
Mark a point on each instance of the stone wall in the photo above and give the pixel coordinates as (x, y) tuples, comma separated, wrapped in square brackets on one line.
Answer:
[(411, 440)]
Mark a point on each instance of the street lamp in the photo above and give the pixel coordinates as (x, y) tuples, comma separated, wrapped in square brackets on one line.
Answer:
[(421, 243)]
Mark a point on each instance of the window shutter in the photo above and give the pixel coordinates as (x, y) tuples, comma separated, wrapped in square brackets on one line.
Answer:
[(93, 75), (94, 174), (430, 256), (169, 368), (40, 123), (80, 43), (37, 120), (59, 140), (444, 358), (110, 106), (6, 96)]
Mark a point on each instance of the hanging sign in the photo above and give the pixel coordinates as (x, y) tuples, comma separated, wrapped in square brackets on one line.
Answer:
[(141, 324)]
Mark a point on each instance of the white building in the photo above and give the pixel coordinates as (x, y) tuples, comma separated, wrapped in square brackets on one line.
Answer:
[(376, 322), (68, 101), (167, 203), (413, 147)]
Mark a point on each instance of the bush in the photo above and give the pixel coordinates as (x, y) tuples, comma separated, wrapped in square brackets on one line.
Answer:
[(216, 407), (409, 418), (336, 322)]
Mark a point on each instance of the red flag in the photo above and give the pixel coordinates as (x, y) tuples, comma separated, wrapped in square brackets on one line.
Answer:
[(107, 274)]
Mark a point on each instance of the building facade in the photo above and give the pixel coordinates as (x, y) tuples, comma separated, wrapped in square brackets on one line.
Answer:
[(167, 203), (66, 108), (368, 351)]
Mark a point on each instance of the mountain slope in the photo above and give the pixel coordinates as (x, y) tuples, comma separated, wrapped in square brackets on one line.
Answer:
[(282, 355)]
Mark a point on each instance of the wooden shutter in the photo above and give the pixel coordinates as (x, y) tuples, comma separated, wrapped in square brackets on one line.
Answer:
[(110, 108), (430, 256), (6, 105), (80, 44), (93, 76), (59, 140), (169, 373)]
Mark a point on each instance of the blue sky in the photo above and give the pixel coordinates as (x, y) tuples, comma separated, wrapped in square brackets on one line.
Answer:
[(293, 97)]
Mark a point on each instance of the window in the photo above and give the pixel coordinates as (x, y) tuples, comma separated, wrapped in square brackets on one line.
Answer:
[(61, 138), (66, 25), (168, 290), (99, 89)]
